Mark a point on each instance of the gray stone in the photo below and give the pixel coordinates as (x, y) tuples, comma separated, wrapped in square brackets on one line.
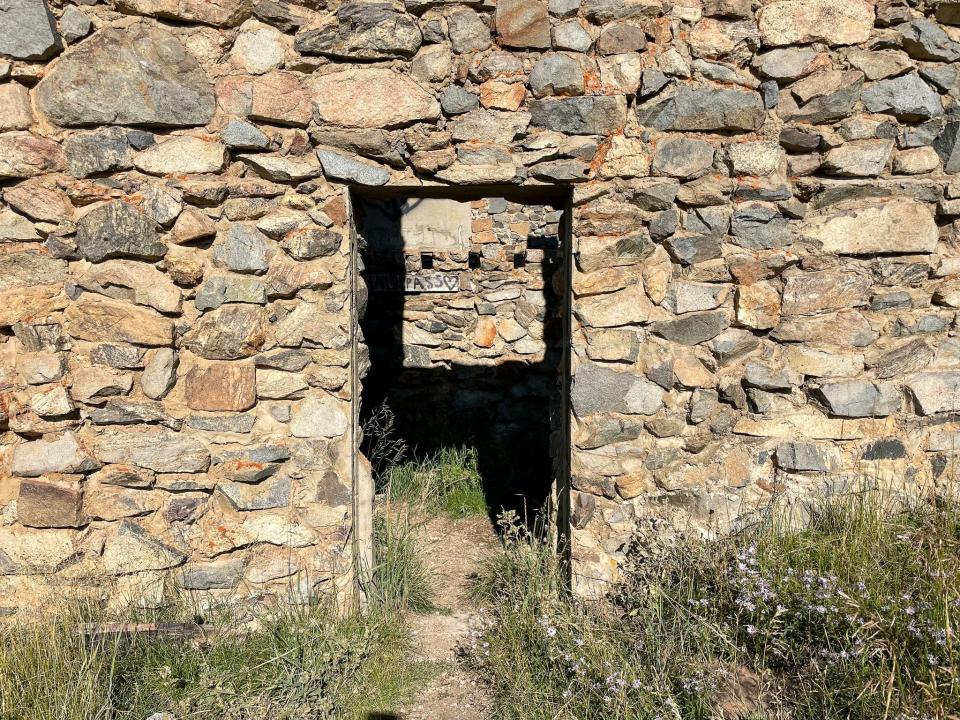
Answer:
[(765, 377), (61, 455), (27, 30), (880, 64), (222, 423), (694, 328), (906, 97), (126, 357), (682, 157), (121, 411), (312, 242), (663, 225), (456, 101), (945, 77), (318, 416), (833, 98), (219, 289), (74, 24), (570, 35), (216, 575), (713, 220), (593, 115), (597, 389), (925, 40), (563, 8), (621, 37), (468, 32), (89, 153), (556, 74), (284, 168), (160, 373), (164, 204), (603, 11), (363, 31), (855, 398), (269, 494), (947, 146), (885, 449), (240, 135), (860, 158), (692, 249), (230, 332), (799, 140), (758, 225), (134, 550), (935, 392), (243, 249), (279, 14), (137, 75), (705, 107), (155, 449), (115, 230), (341, 167), (786, 63), (771, 94), (289, 360), (799, 456), (653, 81), (732, 344)]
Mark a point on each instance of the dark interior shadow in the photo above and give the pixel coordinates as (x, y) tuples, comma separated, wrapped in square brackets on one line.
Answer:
[(378, 715), (510, 411)]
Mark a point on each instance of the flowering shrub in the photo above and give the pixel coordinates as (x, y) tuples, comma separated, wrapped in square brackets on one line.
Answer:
[(851, 616)]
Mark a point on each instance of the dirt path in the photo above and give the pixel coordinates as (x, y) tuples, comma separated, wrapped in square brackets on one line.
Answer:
[(452, 548)]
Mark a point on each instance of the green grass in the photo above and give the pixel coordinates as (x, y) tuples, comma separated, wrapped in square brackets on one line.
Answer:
[(298, 664), (294, 663), (447, 483), (400, 578), (852, 616)]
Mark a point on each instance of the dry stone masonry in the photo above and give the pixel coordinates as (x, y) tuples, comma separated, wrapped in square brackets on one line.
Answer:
[(766, 275)]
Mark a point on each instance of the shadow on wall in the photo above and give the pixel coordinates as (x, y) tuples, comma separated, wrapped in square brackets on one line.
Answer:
[(509, 409)]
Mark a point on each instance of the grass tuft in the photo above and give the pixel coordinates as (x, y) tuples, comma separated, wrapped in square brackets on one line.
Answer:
[(447, 483), (400, 578)]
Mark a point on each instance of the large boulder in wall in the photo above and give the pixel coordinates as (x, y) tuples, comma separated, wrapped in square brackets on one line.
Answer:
[(140, 75)]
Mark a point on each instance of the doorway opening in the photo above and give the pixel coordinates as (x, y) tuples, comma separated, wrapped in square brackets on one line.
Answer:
[(462, 333)]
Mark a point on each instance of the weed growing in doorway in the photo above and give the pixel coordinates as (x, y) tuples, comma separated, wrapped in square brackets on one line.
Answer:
[(400, 578), (447, 483), (851, 616)]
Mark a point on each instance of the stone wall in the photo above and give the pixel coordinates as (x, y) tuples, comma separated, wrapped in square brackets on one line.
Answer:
[(764, 287)]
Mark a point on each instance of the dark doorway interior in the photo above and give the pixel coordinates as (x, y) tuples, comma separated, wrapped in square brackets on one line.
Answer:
[(483, 366)]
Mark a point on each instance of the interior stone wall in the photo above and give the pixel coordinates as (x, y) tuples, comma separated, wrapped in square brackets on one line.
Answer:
[(764, 287)]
